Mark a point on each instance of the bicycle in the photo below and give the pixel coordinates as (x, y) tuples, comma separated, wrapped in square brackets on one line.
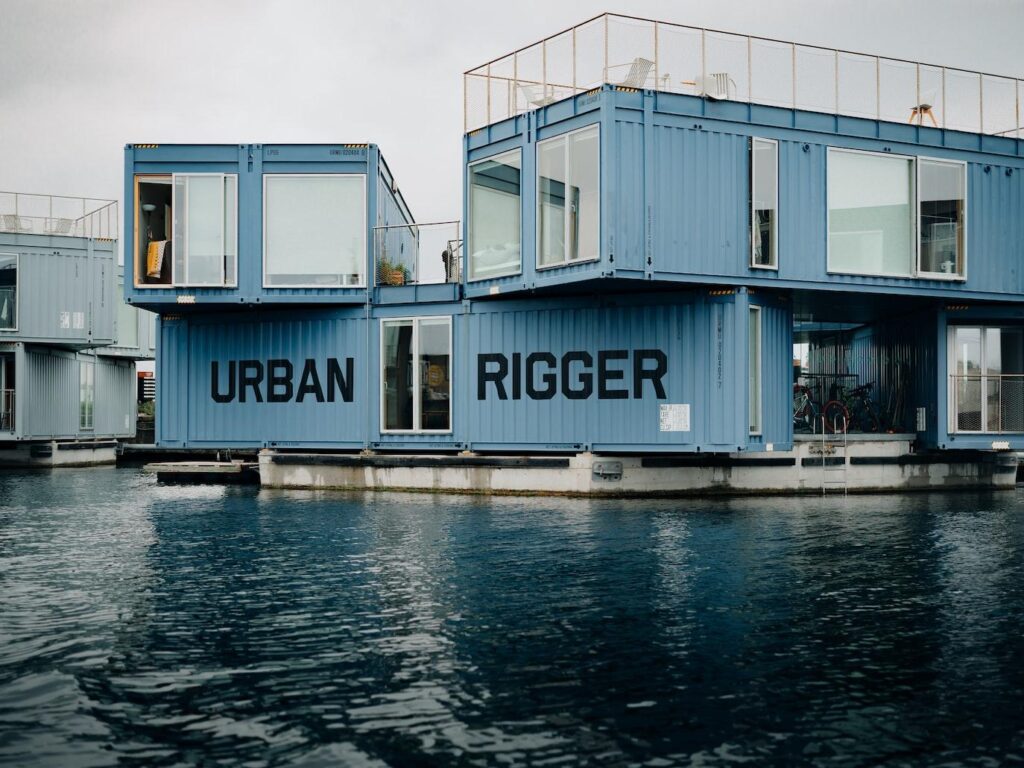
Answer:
[(854, 408), (805, 409)]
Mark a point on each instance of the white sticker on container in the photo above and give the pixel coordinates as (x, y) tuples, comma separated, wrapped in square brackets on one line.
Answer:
[(674, 417), (78, 320), (65, 319)]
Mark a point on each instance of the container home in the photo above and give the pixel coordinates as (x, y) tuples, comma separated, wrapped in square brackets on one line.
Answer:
[(658, 219), (68, 343)]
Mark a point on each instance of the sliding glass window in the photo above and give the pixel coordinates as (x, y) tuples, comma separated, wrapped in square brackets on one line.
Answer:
[(314, 231), (987, 383), (569, 198), (764, 196), (416, 385), (8, 292), (754, 365), (205, 234), (86, 394), (870, 213), (495, 216), (942, 193)]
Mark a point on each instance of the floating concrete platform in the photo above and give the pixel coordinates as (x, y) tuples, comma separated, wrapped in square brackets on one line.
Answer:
[(861, 464), (139, 454), (205, 472), (47, 454)]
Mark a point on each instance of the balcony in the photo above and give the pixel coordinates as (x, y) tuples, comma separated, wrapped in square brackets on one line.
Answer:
[(644, 54), (22, 213), (425, 260), (987, 404)]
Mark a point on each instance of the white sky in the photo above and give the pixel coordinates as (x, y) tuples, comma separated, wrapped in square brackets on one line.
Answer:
[(79, 79)]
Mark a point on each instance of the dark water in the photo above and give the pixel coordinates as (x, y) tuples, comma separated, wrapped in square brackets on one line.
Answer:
[(146, 625)]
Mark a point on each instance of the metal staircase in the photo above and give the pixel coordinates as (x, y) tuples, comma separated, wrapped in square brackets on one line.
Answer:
[(834, 461)]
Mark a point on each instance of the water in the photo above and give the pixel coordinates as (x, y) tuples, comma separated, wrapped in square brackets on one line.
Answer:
[(151, 625)]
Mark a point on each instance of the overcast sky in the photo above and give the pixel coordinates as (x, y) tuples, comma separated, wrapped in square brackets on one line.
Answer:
[(79, 79)]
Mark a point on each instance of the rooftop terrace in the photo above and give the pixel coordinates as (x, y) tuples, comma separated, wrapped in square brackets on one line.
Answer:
[(23, 213), (642, 53)]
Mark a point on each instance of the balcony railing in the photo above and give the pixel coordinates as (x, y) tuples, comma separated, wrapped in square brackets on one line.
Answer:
[(6, 410), (23, 213), (987, 403), (642, 53), (418, 254)]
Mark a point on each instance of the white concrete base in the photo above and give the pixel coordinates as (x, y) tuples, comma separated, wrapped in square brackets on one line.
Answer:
[(864, 465), (53, 453)]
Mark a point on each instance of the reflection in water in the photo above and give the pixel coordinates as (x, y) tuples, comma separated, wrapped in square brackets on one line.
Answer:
[(149, 625)]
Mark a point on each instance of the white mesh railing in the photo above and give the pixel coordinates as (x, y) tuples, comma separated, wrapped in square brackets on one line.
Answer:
[(24, 213), (987, 403), (419, 254), (642, 53)]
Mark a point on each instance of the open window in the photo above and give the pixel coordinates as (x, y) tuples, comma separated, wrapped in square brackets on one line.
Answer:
[(569, 198), (8, 292), (186, 230), (416, 384), (942, 201), (764, 197), (314, 231), (495, 216)]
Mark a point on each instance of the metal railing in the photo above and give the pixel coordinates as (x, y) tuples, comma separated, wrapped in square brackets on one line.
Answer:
[(6, 410), (24, 213), (8, 309), (643, 53), (987, 403), (418, 254)]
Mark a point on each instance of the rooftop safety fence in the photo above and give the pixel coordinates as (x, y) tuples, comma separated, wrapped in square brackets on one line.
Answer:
[(644, 54), (418, 254), (23, 213)]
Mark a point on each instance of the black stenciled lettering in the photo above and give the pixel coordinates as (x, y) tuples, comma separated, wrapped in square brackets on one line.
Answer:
[(335, 377), (215, 392), (485, 374), (250, 374), (586, 378), (654, 375), (309, 384), (279, 381), (549, 379), (606, 374)]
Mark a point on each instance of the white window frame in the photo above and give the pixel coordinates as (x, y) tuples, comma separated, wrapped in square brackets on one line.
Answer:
[(469, 215), (186, 283), (564, 138), (962, 257), (366, 235), (17, 291), (915, 215), (417, 395), (774, 266), (83, 366), (983, 378), (755, 310)]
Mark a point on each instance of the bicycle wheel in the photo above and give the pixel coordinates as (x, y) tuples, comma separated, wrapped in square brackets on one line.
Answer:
[(836, 417), (804, 416)]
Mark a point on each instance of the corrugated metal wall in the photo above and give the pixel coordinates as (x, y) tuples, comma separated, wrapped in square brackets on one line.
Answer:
[(66, 290), (49, 395), (703, 339)]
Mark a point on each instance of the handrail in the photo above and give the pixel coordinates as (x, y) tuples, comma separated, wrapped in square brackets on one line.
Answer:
[(62, 215), (399, 251), (767, 71), (987, 403)]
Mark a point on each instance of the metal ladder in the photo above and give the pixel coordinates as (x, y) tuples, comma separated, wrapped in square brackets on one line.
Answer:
[(833, 473)]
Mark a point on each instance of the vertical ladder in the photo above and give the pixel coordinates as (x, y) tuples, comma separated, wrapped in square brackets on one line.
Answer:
[(833, 472)]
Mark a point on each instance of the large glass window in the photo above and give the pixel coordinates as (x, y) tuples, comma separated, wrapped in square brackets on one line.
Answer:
[(314, 230), (86, 394), (870, 213), (8, 292), (495, 219), (186, 229), (754, 365), (987, 383), (569, 197), (416, 375), (127, 325), (942, 196), (764, 194)]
